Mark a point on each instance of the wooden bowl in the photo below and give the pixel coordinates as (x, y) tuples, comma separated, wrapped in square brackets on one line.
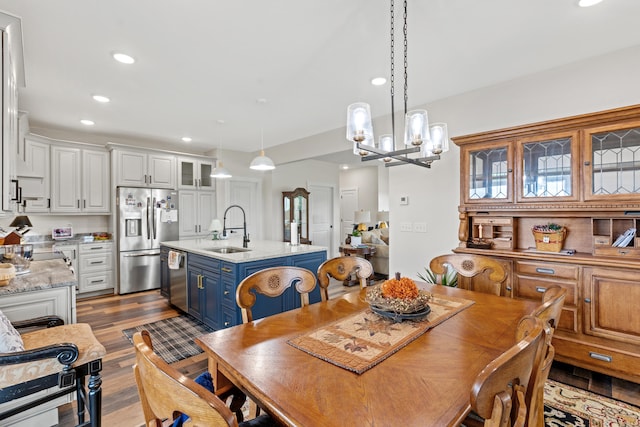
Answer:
[(7, 272)]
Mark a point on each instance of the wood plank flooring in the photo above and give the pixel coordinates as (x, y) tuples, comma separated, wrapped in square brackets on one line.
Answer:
[(109, 315)]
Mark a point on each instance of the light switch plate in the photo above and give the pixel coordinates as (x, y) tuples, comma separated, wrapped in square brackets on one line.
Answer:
[(406, 226), (404, 200), (420, 227)]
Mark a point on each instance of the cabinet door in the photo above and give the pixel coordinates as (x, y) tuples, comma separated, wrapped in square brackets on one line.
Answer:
[(65, 179), (35, 160), (488, 173), (205, 182), (187, 173), (611, 304), (206, 211), (96, 197), (194, 297), (161, 171), (188, 218), (611, 164), (212, 309), (131, 168), (547, 168)]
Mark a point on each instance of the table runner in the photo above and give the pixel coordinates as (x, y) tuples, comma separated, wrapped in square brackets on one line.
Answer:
[(364, 339)]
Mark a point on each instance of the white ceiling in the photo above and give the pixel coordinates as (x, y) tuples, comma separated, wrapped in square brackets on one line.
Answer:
[(200, 61)]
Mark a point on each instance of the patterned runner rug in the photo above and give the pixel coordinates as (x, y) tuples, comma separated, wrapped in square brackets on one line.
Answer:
[(569, 406), (364, 339), (173, 338)]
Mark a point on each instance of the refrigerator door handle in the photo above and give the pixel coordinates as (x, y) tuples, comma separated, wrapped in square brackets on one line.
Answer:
[(148, 226), (153, 217)]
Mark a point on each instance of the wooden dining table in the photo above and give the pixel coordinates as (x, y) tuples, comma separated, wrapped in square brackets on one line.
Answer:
[(426, 383)]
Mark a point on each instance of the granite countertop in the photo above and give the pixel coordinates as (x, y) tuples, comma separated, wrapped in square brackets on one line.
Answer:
[(46, 274), (258, 250)]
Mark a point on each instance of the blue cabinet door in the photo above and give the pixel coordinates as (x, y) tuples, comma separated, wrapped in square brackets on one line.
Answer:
[(211, 301)]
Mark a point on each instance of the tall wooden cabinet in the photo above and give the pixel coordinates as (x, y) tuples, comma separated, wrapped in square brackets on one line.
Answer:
[(582, 172)]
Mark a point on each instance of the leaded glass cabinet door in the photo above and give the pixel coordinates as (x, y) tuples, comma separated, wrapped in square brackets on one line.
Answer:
[(612, 162), (488, 173), (547, 168)]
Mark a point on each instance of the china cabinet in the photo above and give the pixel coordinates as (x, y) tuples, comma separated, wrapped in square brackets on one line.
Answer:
[(583, 173), (295, 205)]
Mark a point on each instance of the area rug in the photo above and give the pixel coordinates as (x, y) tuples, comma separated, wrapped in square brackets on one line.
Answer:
[(173, 338), (569, 406), (364, 339)]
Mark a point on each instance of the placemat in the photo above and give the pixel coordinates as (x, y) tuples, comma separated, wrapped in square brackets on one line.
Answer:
[(364, 339)]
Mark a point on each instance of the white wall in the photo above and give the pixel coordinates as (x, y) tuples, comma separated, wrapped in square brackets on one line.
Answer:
[(365, 179), (597, 84)]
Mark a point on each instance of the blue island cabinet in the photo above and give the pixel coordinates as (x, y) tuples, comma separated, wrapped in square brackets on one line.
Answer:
[(212, 287)]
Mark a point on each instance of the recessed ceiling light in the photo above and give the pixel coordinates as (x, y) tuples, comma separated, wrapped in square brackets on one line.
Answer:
[(101, 98), (588, 3), (344, 167), (87, 122), (186, 139), (124, 58), (378, 81)]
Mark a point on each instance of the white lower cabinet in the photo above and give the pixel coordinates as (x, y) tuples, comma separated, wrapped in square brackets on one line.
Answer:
[(95, 267)]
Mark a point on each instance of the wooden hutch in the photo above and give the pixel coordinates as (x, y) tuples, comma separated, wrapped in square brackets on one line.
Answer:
[(581, 172)]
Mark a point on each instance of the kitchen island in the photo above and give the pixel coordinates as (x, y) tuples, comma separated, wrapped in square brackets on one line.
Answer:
[(214, 268)]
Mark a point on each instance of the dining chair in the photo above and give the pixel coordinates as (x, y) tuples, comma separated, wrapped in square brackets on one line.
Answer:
[(54, 359), (475, 272), (166, 394), (498, 393), (341, 268), (273, 282), (549, 312)]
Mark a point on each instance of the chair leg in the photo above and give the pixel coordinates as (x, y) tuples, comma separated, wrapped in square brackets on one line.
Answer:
[(95, 398), (80, 398)]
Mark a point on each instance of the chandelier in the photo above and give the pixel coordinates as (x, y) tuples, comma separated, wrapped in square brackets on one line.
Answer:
[(419, 137)]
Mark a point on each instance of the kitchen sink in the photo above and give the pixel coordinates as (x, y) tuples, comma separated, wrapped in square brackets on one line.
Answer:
[(228, 250)]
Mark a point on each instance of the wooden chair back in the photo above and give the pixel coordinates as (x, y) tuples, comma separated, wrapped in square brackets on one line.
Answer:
[(475, 272), (165, 392), (549, 313), (341, 268), (272, 282), (498, 393)]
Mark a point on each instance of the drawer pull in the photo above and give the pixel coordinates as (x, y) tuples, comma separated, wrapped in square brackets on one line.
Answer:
[(509, 288), (95, 248), (226, 292), (602, 357), (587, 300), (97, 281), (545, 270), (541, 289), (96, 262), (226, 269)]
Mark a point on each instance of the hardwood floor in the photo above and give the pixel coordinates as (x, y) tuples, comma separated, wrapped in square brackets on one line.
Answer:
[(108, 316)]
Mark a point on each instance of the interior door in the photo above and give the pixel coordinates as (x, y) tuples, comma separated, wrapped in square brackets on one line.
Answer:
[(348, 205), (321, 216)]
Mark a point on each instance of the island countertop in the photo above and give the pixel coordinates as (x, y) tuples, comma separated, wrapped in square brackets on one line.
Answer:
[(258, 250), (51, 273)]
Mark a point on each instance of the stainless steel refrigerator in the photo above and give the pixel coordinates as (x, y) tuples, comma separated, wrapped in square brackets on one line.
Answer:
[(146, 217)]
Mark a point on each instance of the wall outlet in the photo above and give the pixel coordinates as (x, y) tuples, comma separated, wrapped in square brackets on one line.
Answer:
[(420, 227), (406, 226), (404, 200)]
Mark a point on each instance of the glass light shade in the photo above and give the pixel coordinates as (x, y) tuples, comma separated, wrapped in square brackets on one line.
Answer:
[(215, 225), (359, 127), (262, 163), (220, 172), (385, 143), (439, 137), (416, 127)]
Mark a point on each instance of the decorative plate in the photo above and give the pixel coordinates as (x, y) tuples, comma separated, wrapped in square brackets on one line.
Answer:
[(399, 317)]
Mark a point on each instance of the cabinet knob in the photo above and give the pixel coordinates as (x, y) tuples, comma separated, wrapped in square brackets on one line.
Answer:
[(540, 289), (227, 323), (509, 288), (226, 292), (587, 300), (587, 163)]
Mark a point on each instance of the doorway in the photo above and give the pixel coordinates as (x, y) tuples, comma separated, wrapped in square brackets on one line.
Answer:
[(348, 205), (321, 217)]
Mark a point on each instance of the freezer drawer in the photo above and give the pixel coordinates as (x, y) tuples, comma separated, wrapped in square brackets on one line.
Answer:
[(139, 271)]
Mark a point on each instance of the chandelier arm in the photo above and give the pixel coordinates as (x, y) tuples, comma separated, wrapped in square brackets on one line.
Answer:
[(379, 154), (405, 160)]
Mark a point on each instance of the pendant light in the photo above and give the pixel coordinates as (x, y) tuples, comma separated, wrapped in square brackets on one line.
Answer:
[(262, 162), (220, 172), (419, 136)]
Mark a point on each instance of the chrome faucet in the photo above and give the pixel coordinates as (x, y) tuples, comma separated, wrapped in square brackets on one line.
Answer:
[(245, 236)]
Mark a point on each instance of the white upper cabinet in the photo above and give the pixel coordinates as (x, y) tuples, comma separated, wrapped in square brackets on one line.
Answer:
[(33, 175), (79, 180), (195, 174), (139, 169), (197, 209)]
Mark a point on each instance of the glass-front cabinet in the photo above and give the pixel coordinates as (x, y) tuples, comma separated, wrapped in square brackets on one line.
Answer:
[(295, 205), (612, 162), (195, 174), (488, 171), (546, 168)]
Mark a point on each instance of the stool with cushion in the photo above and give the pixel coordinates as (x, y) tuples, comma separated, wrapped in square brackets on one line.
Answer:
[(59, 358)]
